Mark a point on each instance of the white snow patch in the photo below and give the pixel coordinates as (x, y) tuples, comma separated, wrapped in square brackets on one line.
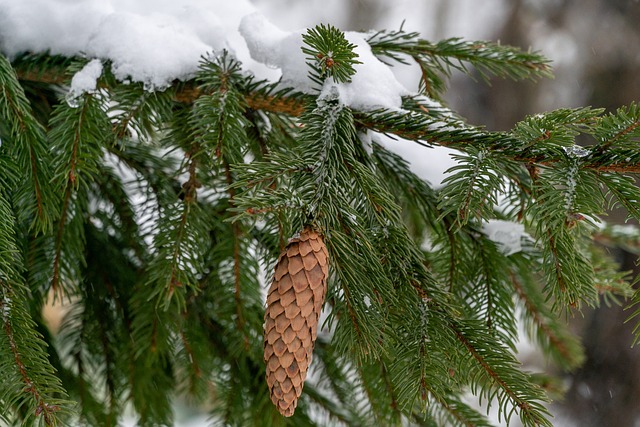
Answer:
[(365, 139), (85, 80), (506, 234), (430, 164), (277, 49), (156, 42), (263, 39), (577, 151), (373, 86), (149, 41)]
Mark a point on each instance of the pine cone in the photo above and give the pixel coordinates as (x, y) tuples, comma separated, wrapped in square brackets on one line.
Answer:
[(294, 303)]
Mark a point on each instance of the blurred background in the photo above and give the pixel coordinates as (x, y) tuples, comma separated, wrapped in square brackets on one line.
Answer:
[(594, 46)]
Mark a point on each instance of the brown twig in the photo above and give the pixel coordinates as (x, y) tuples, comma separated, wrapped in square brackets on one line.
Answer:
[(519, 402), (538, 319), (42, 407), (68, 192), (188, 92)]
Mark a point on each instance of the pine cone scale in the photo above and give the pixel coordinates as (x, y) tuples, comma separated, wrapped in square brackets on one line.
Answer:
[(305, 248), (294, 302), (300, 281), (295, 265), (285, 284), (303, 298), (309, 262)]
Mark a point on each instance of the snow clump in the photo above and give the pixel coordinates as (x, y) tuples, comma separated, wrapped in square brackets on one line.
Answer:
[(507, 235)]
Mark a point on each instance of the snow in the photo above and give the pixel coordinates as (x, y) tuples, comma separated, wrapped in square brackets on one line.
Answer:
[(85, 80), (264, 39), (373, 86), (429, 164), (153, 42), (366, 141), (577, 151), (571, 186), (153, 49), (506, 234), (277, 49), (158, 42)]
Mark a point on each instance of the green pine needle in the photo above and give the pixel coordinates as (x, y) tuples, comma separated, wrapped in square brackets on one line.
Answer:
[(329, 54)]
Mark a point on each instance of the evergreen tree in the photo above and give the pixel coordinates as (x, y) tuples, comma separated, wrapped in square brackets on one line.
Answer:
[(154, 216)]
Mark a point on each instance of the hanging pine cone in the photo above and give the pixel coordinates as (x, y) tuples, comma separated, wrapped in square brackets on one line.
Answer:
[(294, 303)]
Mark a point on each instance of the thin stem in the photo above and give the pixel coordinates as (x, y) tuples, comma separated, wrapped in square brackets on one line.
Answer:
[(538, 319), (237, 235), (188, 93), (523, 405), (42, 407), (70, 183), (32, 157)]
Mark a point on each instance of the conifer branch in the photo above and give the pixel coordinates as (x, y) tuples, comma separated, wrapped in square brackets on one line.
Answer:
[(236, 252), (188, 199), (29, 139), (418, 290), (458, 413), (561, 344), (42, 406), (23, 129), (390, 390), (57, 254), (529, 413), (620, 135), (185, 93), (70, 184), (187, 347), (427, 129), (619, 128), (108, 369), (557, 267), (542, 325), (421, 132)]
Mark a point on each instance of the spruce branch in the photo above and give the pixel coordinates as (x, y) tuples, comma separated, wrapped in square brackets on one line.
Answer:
[(436, 60), (626, 237), (222, 113), (492, 363), (424, 129), (260, 96), (428, 130), (238, 266), (451, 411), (30, 384), (422, 301), (76, 164), (565, 349), (620, 128), (28, 147), (471, 188), (180, 237), (612, 284), (329, 54), (43, 408)]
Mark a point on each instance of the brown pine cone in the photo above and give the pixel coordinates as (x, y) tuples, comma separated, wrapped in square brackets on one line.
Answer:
[(294, 303)]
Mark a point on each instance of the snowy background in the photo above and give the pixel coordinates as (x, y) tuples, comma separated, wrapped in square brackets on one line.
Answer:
[(594, 46)]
